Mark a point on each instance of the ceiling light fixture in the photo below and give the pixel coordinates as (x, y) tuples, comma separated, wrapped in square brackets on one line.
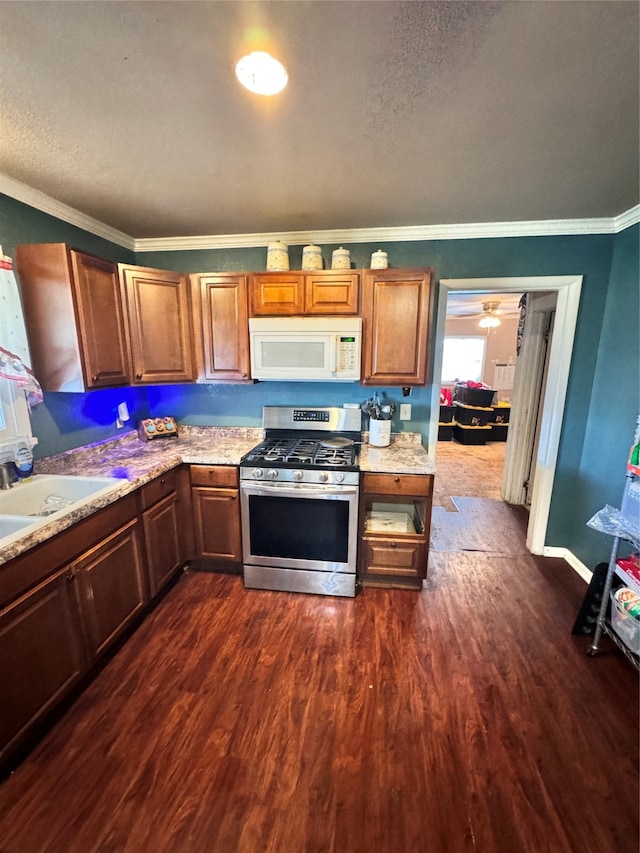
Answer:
[(489, 319), (259, 72)]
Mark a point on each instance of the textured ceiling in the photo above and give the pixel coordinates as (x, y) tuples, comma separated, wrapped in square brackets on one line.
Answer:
[(397, 113)]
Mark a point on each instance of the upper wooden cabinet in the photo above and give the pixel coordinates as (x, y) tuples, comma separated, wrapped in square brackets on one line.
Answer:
[(160, 325), (295, 293), (397, 306), (221, 326), (74, 317)]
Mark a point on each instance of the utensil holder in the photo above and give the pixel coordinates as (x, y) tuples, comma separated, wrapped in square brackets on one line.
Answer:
[(379, 433)]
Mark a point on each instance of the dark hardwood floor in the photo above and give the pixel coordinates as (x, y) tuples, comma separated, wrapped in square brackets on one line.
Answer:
[(464, 717)]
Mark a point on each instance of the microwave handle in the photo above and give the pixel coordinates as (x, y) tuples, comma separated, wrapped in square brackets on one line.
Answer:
[(334, 354)]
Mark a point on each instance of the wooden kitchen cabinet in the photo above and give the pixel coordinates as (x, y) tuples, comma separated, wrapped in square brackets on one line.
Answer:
[(395, 514), (165, 507), (60, 605), (42, 656), (323, 292), (220, 302), (158, 306), (75, 318), (112, 587), (216, 514), (397, 308)]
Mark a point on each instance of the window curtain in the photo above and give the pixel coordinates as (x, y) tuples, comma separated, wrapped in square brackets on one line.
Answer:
[(15, 360)]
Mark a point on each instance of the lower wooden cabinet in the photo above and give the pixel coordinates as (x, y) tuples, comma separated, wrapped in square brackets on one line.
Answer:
[(42, 655), (112, 587), (216, 513), (164, 504), (395, 513)]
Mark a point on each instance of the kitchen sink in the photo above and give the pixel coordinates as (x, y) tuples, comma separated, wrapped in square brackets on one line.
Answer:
[(45, 498)]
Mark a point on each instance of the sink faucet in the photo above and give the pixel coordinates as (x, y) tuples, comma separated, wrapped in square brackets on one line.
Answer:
[(8, 475)]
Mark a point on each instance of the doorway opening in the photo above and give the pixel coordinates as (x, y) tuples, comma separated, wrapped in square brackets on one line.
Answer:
[(481, 343), (543, 446)]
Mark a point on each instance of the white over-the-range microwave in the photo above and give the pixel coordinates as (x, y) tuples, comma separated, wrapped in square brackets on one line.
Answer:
[(306, 349)]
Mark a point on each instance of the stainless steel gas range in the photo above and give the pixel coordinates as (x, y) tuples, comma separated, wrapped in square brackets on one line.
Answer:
[(299, 501)]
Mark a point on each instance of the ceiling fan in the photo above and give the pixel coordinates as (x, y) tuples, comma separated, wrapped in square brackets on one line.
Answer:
[(489, 318)]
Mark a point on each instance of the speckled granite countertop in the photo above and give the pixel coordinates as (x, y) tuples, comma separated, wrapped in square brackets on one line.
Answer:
[(137, 462), (405, 455)]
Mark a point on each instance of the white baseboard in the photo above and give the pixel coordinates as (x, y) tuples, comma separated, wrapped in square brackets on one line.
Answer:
[(565, 554)]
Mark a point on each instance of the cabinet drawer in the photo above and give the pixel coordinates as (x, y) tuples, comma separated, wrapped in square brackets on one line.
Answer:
[(399, 484), (223, 476), (157, 489), (394, 558)]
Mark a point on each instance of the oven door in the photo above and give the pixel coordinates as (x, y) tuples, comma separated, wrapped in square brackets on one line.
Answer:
[(300, 526)]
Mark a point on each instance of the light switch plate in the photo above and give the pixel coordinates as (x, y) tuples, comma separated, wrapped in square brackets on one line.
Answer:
[(405, 411)]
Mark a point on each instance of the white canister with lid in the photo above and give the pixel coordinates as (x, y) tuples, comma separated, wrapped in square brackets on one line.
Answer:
[(277, 256), (379, 433), (341, 259), (379, 260), (311, 257)]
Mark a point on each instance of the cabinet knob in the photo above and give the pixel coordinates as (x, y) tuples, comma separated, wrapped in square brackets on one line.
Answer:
[(244, 375), (396, 479), (138, 376), (162, 481), (393, 544), (70, 577), (94, 378)]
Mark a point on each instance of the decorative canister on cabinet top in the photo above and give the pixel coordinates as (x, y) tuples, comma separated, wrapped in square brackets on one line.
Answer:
[(277, 256), (311, 257), (341, 259), (379, 260)]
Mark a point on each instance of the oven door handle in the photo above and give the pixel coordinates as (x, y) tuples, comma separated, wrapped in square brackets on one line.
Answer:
[(294, 490)]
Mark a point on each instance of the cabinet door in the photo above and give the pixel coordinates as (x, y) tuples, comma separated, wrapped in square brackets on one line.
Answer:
[(331, 293), (277, 293), (41, 655), (112, 586), (217, 524), (101, 322), (223, 327), (75, 318), (159, 313), (397, 307), (163, 542)]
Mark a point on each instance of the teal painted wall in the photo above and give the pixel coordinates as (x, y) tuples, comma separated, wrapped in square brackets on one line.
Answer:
[(614, 405), (605, 261)]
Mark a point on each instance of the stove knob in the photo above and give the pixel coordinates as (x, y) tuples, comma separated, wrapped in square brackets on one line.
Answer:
[(324, 477), (256, 473), (339, 476), (297, 476), (272, 474)]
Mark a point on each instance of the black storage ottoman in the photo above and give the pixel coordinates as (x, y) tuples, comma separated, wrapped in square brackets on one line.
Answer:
[(445, 432)]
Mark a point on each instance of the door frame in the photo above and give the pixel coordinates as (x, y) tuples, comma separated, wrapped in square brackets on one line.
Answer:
[(568, 288)]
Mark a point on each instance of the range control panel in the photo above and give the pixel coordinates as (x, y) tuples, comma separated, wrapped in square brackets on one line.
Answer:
[(157, 428)]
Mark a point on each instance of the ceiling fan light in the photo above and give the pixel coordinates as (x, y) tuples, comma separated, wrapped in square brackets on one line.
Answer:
[(259, 72), (489, 321)]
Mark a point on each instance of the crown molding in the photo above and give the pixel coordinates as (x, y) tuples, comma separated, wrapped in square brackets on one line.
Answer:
[(626, 219), (406, 234), (411, 233), (43, 202)]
